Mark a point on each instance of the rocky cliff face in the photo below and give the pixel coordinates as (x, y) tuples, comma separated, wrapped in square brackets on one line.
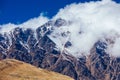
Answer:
[(36, 48)]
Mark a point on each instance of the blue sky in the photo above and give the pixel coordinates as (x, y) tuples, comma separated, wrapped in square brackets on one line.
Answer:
[(19, 11)]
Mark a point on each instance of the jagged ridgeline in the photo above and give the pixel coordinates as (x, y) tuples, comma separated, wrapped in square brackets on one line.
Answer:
[(44, 48)]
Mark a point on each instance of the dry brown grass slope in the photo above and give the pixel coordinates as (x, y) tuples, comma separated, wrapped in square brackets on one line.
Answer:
[(11, 69)]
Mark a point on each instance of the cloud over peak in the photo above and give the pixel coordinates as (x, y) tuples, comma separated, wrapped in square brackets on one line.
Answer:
[(31, 23), (98, 20)]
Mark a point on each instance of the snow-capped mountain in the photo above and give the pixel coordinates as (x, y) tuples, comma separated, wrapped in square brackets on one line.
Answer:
[(51, 47), (82, 41)]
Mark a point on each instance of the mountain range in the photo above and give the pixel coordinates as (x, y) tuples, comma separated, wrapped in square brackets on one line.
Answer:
[(43, 48)]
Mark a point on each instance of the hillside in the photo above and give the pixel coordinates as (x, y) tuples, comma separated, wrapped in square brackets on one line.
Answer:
[(11, 69)]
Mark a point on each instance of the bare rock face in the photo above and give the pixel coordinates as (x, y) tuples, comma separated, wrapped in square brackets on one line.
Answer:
[(36, 48)]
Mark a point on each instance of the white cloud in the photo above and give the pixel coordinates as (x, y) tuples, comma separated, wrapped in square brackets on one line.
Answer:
[(106, 1), (96, 21), (114, 49), (32, 23)]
